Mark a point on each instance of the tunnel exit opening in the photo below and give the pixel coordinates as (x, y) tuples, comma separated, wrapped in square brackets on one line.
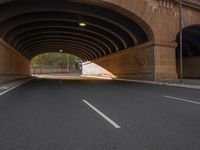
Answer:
[(56, 64), (66, 66)]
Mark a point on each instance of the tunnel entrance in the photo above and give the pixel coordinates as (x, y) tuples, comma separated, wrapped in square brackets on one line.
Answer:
[(95, 31), (191, 52)]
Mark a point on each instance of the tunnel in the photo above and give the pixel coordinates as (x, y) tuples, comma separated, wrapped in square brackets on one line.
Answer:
[(87, 29), (191, 52)]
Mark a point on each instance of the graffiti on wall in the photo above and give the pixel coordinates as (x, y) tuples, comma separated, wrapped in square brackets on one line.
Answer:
[(141, 62)]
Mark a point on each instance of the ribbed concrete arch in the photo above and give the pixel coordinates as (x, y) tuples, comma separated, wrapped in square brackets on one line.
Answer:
[(119, 34), (90, 54), (28, 25), (51, 49), (97, 51), (87, 46), (49, 45), (73, 16), (75, 53), (89, 33), (97, 41), (97, 45), (100, 31)]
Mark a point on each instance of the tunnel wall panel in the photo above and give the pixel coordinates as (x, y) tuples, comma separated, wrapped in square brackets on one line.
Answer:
[(12, 64), (133, 63)]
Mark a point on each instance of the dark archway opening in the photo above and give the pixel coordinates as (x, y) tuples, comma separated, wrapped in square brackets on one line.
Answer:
[(191, 52)]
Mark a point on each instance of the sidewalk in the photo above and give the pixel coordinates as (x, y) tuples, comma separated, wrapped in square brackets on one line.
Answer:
[(187, 83), (7, 86)]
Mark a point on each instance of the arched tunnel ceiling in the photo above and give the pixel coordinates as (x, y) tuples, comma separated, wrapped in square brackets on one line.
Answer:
[(191, 42), (38, 26)]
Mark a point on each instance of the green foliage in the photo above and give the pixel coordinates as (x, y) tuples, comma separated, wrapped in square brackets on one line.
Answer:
[(54, 60)]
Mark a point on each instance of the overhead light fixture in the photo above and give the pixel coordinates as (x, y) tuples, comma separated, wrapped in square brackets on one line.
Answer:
[(82, 24), (61, 51)]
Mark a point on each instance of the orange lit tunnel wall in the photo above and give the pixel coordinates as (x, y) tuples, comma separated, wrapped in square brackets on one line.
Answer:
[(133, 63), (12, 64)]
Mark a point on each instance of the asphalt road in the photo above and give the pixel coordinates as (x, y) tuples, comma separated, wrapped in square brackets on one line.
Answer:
[(51, 115)]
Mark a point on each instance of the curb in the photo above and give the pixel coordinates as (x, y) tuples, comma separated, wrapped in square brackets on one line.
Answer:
[(148, 82), (98, 77)]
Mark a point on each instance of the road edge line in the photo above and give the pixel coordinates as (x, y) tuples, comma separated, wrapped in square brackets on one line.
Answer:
[(181, 99)]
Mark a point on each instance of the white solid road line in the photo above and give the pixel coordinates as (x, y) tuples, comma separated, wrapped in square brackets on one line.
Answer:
[(181, 99), (6, 91), (102, 114)]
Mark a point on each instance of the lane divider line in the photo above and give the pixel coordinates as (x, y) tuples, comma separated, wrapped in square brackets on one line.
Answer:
[(8, 90), (102, 115), (181, 99)]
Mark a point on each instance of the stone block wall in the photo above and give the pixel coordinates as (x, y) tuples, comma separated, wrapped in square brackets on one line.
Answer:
[(165, 63)]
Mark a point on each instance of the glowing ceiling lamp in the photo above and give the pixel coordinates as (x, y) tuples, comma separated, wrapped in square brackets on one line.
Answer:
[(82, 24)]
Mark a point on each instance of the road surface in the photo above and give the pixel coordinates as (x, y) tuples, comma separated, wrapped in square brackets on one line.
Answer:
[(46, 114)]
